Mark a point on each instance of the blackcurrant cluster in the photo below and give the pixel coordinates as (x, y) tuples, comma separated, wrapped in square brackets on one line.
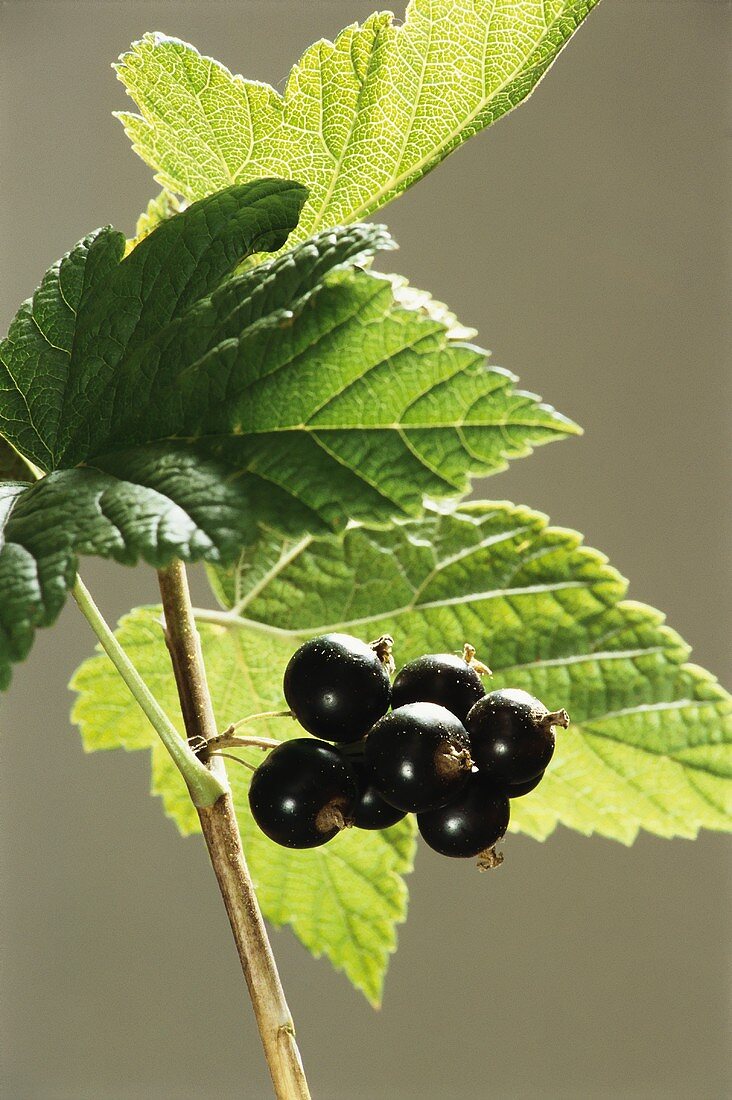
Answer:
[(446, 750)]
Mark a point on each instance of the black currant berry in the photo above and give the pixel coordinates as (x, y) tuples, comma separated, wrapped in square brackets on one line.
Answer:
[(512, 735), (371, 811), (473, 822), (438, 678), (336, 686), (518, 790), (418, 756), (303, 794)]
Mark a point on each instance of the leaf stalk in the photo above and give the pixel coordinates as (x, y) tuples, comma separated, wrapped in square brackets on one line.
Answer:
[(205, 786)]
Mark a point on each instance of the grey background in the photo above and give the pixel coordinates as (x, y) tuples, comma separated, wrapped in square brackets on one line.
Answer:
[(585, 237)]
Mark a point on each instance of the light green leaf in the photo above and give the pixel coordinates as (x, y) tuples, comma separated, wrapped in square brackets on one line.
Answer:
[(650, 744), (361, 118), (342, 900)]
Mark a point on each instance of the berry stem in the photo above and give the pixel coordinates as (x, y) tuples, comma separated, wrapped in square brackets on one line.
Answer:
[(258, 717), (221, 833), (236, 759), (233, 621), (227, 740)]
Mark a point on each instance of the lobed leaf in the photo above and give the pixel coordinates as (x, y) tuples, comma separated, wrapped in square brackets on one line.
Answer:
[(179, 409), (650, 745), (361, 118), (169, 504)]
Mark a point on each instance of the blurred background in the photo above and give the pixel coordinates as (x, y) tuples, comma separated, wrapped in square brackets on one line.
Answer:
[(585, 237)]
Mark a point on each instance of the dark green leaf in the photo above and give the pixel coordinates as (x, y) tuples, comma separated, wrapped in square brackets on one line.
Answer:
[(182, 410), (170, 504), (92, 312)]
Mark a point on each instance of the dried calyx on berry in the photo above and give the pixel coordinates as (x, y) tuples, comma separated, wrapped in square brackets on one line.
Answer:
[(303, 794), (383, 647)]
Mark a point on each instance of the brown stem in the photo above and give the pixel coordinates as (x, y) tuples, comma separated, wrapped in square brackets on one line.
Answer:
[(221, 833), (184, 645), (275, 1024)]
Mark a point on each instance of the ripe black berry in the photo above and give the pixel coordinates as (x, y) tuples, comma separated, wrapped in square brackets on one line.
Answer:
[(517, 790), (512, 735), (371, 811), (303, 794), (474, 821), (418, 756), (439, 678), (336, 686)]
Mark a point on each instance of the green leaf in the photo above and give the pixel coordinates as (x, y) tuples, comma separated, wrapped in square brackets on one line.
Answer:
[(93, 313), (180, 410), (67, 349), (342, 900), (650, 744), (158, 210), (361, 118), (323, 395), (170, 504)]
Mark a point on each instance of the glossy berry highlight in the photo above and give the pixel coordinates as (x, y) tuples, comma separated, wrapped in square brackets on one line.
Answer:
[(512, 735), (337, 687), (418, 756), (303, 794)]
